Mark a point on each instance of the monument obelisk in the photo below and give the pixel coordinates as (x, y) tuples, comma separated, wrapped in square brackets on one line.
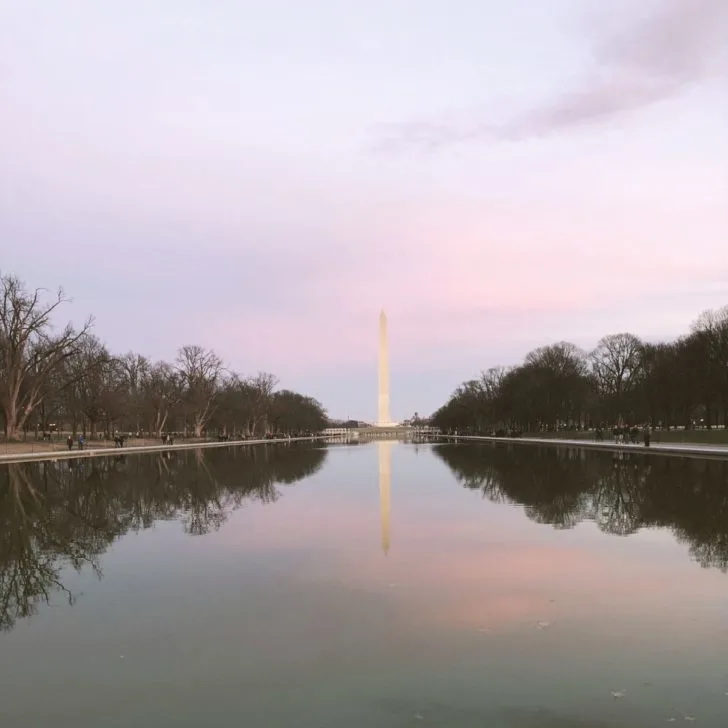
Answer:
[(383, 415)]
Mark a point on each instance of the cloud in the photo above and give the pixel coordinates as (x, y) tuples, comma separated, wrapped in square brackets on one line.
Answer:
[(652, 58)]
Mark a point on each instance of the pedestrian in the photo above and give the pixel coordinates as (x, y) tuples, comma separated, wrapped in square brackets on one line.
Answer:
[(69, 442), (646, 435)]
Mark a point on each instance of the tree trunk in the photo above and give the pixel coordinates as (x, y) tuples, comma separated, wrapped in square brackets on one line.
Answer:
[(10, 413), (161, 423)]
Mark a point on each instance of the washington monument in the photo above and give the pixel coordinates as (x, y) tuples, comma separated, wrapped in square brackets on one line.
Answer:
[(383, 419)]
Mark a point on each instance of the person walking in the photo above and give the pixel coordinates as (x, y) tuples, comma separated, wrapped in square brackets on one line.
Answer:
[(646, 435)]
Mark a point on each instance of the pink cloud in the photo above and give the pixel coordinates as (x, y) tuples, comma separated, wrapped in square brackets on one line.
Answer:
[(458, 275)]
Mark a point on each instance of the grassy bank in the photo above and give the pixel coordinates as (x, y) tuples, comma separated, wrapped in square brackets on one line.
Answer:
[(701, 437), (59, 445)]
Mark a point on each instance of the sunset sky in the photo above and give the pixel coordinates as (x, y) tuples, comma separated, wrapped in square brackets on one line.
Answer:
[(263, 176)]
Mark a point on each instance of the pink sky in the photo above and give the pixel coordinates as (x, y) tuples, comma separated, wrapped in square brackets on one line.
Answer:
[(273, 179)]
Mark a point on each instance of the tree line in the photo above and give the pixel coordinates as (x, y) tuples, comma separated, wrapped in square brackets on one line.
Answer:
[(624, 380), (67, 513), (69, 380)]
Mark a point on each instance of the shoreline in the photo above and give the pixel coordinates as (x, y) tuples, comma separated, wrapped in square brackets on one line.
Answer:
[(683, 449), (90, 452), (686, 449)]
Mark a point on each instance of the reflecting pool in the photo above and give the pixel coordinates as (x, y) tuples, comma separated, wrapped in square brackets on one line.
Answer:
[(373, 585)]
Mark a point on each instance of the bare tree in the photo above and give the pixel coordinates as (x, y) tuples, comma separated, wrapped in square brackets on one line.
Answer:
[(711, 329), (94, 394), (200, 370), (29, 350), (261, 387), (161, 391), (560, 379), (616, 363), (492, 380), (132, 369), (563, 358), (294, 413)]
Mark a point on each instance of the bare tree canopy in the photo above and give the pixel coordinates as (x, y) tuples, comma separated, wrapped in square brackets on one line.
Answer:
[(30, 351), (200, 371), (623, 380), (70, 379), (616, 362)]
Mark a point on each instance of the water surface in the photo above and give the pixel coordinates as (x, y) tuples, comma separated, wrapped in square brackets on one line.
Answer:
[(372, 585)]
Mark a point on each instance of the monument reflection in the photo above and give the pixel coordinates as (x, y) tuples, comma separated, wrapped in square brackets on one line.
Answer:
[(384, 458)]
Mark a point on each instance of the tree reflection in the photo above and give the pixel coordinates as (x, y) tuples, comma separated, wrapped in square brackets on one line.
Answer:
[(620, 492), (55, 515)]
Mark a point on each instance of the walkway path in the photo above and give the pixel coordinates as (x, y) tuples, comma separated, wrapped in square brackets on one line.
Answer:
[(659, 448), (90, 452)]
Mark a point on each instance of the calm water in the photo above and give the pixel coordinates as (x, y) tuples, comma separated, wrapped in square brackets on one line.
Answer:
[(365, 586)]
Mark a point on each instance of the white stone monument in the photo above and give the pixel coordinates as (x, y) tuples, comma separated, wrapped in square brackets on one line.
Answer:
[(383, 419)]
